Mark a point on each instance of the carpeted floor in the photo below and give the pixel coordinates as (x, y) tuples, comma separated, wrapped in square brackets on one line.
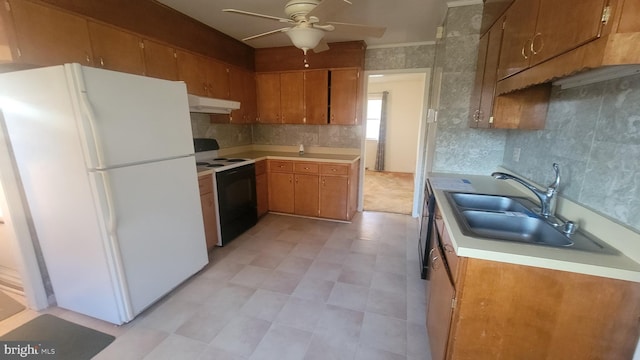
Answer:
[(388, 192)]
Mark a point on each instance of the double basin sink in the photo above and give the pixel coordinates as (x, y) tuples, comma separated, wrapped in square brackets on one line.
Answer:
[(506, 218)]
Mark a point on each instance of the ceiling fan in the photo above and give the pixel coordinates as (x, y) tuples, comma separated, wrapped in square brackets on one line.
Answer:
[(307, 31)]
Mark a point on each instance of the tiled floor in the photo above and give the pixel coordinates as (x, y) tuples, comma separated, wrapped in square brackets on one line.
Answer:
[(290, 288)]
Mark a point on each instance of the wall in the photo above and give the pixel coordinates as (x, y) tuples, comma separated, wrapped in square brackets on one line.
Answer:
[(460, 149), (593, 132), (406, 93)]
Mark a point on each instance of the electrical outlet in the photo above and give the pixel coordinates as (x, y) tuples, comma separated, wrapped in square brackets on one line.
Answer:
[(516, 154)]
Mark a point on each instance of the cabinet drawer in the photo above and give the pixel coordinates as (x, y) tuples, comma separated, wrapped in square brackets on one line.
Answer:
[(280, 166), (305, 168), (334, 169), (261, 167), (205, 183)]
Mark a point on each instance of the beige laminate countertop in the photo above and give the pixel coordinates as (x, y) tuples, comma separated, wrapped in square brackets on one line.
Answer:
[(616, 266), (279, 155)]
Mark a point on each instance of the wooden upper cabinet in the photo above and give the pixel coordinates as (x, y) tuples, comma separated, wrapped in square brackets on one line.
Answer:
[(115, 49), (565, 25), (46, 36), (268, 97), (519, 27), (292, 97), (538, 30), (160, 60), (482, 99), (192, 69), (249, 105), (217, 79), (344, 96), (316, 96)]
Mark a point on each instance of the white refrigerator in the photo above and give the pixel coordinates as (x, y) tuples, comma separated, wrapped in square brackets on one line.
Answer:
[(106, 162)]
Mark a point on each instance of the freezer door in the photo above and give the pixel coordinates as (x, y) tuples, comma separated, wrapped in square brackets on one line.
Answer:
[(156, 226), (128, 119)]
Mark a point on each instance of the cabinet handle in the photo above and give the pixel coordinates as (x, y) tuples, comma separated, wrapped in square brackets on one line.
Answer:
[(88, 58), (476, 115), (525, 46), (533, 51), (306, 168), (448, 249), (434, 262), (101, 61), (334, 169)]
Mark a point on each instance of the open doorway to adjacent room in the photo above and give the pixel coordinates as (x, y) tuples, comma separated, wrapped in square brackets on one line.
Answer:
[(394, 117)]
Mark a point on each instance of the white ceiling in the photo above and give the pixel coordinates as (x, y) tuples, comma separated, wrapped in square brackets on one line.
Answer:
[(407, 21)]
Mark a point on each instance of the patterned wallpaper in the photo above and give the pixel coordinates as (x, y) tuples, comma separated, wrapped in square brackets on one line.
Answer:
[(460, 149), (593, 132)]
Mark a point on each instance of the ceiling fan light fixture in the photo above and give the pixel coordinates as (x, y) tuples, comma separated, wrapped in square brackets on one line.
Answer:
[(305, 38)]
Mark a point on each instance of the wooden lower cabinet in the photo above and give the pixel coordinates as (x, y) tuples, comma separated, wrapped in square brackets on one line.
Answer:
[(209, 215), (281, 192), (325, 190), (262, 187), (494, 310)]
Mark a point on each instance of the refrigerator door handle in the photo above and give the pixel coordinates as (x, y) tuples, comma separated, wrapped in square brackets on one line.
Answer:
[(114, 245), (90, 117)]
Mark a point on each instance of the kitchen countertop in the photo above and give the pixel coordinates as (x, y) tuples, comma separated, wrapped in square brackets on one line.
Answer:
[(616, 266), (280, 155)]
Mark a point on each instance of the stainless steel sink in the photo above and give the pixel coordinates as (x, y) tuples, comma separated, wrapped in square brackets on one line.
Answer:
[(487, 202), (514, 227), (506, 218)]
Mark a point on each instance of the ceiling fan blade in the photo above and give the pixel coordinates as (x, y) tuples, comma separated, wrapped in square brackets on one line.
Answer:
[(359, 29), (322, 46), (328, 8), (265, 34), (258, 15)]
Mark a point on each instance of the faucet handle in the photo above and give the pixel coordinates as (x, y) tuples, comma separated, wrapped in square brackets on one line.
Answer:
[(554, 185)]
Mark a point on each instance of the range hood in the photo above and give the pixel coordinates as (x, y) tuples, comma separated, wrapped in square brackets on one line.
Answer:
[(200, 104)]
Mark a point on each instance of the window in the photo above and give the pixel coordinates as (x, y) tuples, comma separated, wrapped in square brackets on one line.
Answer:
[(374, 112)]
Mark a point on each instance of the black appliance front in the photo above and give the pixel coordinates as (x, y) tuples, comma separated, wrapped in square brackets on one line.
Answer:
[(236, 201), (426, 228)]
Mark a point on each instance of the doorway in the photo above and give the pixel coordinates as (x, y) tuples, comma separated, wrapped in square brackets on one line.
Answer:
[(391, 147)]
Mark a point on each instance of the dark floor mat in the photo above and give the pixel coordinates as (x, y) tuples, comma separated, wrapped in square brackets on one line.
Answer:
[(8, 306), (68, 340)]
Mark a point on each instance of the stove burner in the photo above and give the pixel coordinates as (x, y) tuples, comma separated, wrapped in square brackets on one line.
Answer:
[(201, 163), (220, 159), (215, 165), (235, 160)]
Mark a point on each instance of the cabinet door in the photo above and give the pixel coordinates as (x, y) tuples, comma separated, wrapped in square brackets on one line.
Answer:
[(115, 49), (236, 93), (47, 36), (490, 77), (565, 25), (262, 194), (268, 98), (476, 94), (344, 96), (209, 218), (249, 90), (281, 192), (316, 96), (159, 60), (292, 97), (519, 27), (192, 69), (306, 195), (217, 79), (334, 195), (439, 307)]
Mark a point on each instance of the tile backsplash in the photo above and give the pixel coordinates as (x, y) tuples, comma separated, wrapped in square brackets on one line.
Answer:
[(228, 135), (593, 132)]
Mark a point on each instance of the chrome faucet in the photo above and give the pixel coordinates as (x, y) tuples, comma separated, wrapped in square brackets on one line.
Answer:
[(547, 197)]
